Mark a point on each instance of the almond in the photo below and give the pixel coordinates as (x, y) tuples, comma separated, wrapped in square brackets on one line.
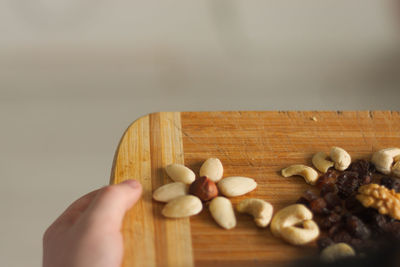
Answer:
[(222, 211), (170, 191), (236, 186), (183, 206), (213, 169), (180, 173)]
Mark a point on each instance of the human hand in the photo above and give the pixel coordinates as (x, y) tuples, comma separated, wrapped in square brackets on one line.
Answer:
[(88, 233)]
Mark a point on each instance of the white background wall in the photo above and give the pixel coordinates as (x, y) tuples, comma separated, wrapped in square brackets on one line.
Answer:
[(74, 74)]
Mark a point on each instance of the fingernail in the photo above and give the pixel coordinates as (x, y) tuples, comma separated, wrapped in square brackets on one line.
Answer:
[(132, 183)]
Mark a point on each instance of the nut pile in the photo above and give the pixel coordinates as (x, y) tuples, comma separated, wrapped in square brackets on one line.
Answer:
[(184, 198), (358, 202), (186, 195)]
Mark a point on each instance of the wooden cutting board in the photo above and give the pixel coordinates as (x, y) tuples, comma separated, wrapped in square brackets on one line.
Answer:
[(252, 144)]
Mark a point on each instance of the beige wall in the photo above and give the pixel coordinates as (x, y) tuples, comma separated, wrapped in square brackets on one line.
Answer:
[(73, 76)]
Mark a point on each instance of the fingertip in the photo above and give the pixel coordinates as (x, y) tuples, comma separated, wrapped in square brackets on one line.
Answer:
[(132, 190), (115, 200), (132, 183), (136, 186)]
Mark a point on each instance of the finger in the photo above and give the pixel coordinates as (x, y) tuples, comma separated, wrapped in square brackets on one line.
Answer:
[(76, 208), (111, 204)]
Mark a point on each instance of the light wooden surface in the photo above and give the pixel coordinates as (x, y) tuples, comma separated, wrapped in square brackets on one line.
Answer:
[(149, 144), (253, 144)]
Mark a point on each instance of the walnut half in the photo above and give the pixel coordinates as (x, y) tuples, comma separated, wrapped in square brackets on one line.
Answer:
[(379, 197)]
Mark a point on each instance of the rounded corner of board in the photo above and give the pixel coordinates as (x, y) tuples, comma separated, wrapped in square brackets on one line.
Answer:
[(138, 123)]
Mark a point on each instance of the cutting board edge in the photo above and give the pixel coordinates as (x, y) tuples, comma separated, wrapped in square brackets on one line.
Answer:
[(338, 111), (121, 140)]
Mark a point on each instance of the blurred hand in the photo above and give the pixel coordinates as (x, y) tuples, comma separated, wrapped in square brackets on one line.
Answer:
[(88, 233)]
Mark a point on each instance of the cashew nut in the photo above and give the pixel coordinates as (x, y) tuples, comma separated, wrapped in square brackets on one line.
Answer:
[(258, 208), (337, 251), (396, 166), (383, 160), (285, 223), (396, 169), (288, 216), (301, 235), (320, 162), (341, 158), (308, 173)]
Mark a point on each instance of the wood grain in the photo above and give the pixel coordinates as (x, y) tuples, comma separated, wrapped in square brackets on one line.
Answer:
[(173, 240), (148, 145), (133, 161), (254, 144)]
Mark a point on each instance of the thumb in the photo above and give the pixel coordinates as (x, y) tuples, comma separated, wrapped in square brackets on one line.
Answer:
[(109, 208)]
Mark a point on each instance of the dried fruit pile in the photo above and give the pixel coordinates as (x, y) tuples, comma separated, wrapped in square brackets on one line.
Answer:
[(358, 206)]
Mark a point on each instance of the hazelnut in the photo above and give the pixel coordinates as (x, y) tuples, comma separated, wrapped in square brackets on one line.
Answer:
[(204, 188)]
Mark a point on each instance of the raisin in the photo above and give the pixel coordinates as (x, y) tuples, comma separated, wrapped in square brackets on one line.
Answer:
[(310, 195), (327, 178), (367, 215), (353, 205), (391, 183), (342, 236), (378, 222), (356, 227), (307, 197), (364, 170), (347, 184), (328, 188), (334, 217), (362, 245), (356, 243), (324, 242), (332, 200), (365, 180), (359, 166), (334, 229), (393, 228), (326, 222), (362, 166), (338, 209), (323, 222), (319, 206)]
